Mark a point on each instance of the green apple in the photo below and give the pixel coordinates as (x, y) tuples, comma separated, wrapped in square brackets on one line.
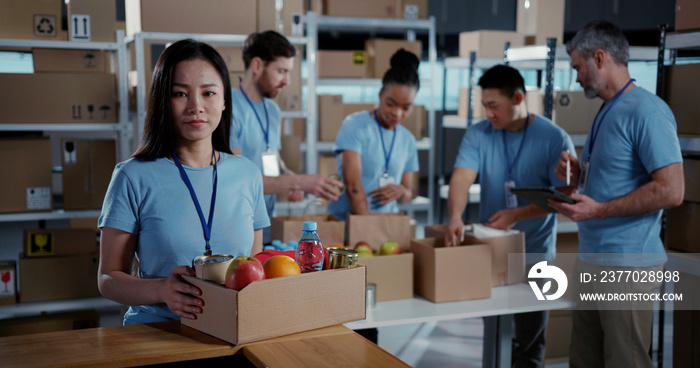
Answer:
[(363, 246), (364, 254), (389, 247)]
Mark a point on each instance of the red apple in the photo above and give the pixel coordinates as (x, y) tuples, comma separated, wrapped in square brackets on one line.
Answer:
[(242, 271), (363, 246), (389, 247)]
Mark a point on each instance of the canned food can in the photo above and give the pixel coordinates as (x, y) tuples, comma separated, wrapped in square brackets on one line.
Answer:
[(341, 258), (212, 267), (371, 295)]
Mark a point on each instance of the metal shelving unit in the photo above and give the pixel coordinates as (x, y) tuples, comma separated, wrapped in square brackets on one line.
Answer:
[(120, 131), (312, 147)]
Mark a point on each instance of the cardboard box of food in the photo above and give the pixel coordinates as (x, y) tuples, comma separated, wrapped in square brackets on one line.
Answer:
[(478, 111), (691, 175), (183, 16), (8, 282), (94, 102), (379, 53), (687, 15), (70, 61), (574, 112), (280, 306), (330, 116), (55, 278), (341, 63), (679, 80), (101, 21), (330, 230), (393, 274), (488, 44), (540, 19), (501, 247), (357, 8), (59, 242), (412, 9), (87, 170), (682, 230), (445, 274), (28, 163), (283, 16), (32, 20)]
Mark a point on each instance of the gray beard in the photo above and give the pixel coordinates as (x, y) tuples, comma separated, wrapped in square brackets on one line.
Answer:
[(590, 93)]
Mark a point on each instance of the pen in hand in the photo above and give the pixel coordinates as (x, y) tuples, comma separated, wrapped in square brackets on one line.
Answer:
[(568, 169)]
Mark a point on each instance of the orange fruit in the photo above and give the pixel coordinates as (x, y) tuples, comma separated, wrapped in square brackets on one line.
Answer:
[(280, 266)]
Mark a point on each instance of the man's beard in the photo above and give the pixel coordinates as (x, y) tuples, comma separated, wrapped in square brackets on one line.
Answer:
[(590, 93)]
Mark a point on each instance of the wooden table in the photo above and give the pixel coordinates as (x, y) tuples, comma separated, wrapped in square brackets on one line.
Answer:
[(169, 342)]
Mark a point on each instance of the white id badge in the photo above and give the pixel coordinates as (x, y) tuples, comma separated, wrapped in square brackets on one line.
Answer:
[(583, 178), (511, 199), (385, 180), (271, 166)]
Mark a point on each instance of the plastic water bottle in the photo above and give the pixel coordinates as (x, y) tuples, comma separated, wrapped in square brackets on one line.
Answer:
[(310, 252)]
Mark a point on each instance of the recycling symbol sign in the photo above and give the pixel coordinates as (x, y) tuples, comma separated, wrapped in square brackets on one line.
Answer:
[(44, 25), (564, 100)]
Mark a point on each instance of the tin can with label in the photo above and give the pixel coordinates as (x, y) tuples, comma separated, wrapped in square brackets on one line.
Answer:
[(341, 258), (212, 267)]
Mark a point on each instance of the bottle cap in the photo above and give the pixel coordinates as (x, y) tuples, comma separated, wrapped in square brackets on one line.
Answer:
[(309, 226)]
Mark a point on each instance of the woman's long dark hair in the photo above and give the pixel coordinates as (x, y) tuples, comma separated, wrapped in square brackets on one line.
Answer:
[(159, 136)]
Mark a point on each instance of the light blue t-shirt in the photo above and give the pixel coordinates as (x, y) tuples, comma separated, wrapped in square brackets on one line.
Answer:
[(247, 134), (482, 150), (150, 199), (637, 136), (361, 133)]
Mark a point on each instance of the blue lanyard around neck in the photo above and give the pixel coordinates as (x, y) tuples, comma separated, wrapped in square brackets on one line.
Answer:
[(387, 156), (597, 122), (509, 164), (205, 226), (267, 117)]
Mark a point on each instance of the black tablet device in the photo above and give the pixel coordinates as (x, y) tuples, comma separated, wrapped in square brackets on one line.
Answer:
[(539, 196)]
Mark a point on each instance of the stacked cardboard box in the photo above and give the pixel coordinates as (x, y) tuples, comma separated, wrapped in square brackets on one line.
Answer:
[(488, 44), (408, 9), (87, 170), (28, 163), (682, 231), (679, 80), (538, 20), (687, 15), (379, 53)]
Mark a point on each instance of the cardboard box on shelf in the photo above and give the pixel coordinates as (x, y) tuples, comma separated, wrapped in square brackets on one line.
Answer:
[(349, 108), (55, 278), (679, 80), (330, 116), (379, 53), (687, 15), (284, 16), (94, 102), (574, 112), (279, 306), (503, 249), (233, 56), (183, 16), (445, 274), (477, 108), (291, 153), (488, 44), (412, 9), (295, 127), (32, 20), (691, 175), (357, 8), (327, 165), (417, 122), (87, 170), (84, 223), (63, 242), (8, 284), (102, 20), (540, 19), (393, 274), (682, 231), (341, 64), (51, 322), (70, 61), (330, 230), (28, 163)]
